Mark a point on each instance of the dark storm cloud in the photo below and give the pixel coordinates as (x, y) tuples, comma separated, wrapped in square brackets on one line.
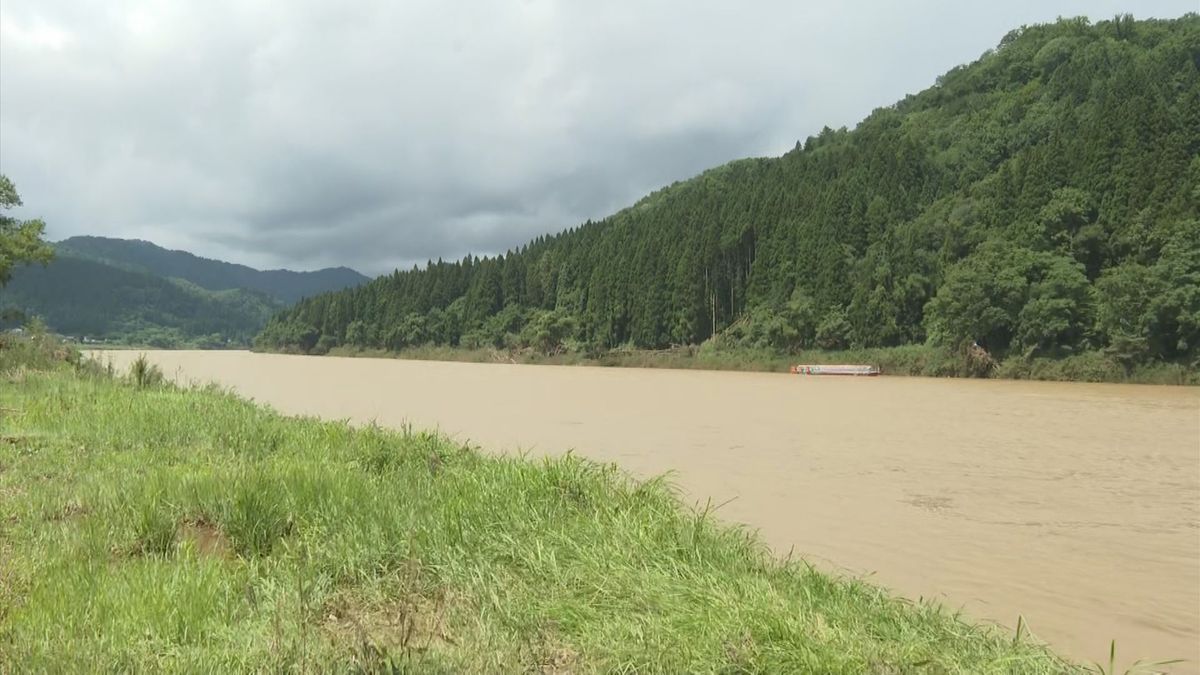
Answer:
[(379, 134), (450, 223)]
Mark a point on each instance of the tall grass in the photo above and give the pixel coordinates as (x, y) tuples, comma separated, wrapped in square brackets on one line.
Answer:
[(144, 374), (37, 349), (147, 529)]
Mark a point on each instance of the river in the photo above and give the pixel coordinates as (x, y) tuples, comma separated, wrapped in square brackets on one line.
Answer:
[(1076, 506)]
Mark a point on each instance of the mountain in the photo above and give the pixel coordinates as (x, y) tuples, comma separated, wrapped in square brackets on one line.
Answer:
[(81, 297), (214, 275), (135, 292), (1043, 200)]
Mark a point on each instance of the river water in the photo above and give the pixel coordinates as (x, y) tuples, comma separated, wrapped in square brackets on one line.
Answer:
[(1076, 506)]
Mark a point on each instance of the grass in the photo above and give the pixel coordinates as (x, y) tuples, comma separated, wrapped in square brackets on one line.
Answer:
[(37, 350), (143, 373), (145, 527), (907, 360)]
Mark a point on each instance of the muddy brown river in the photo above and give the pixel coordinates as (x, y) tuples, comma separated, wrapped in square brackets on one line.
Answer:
[(1076, 506)]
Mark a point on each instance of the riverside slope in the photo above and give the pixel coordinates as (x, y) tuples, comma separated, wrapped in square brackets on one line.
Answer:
[(1076, 506)]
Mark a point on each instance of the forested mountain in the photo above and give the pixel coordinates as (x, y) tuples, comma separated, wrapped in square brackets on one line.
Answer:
[(1042, 200), (82, 297), (215, 275)]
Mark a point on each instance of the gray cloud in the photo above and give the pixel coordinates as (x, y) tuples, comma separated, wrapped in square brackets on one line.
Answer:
[(377, 134)]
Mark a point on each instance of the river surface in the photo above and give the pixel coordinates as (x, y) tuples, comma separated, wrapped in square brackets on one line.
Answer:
[(1076, 506)]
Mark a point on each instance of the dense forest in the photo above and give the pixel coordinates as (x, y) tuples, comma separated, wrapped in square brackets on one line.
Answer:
[(1041, 201)]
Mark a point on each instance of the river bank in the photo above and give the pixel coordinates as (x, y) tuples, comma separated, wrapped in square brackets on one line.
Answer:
[(910, 361), (1072, 505), (151, 527)]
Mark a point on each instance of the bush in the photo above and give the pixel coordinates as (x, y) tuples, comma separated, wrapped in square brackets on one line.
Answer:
[(547, 331), (324, 344), (144, 374), (34, 348), (1094, 366)]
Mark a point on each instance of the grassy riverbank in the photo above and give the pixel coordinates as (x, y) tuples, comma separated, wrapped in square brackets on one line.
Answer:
[(145, 528), (911, 360)]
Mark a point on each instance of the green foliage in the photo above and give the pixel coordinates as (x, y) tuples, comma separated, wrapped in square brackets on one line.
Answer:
[(133, 292), (33, 347), (834, 331), (998, 205), (356, 334), (1005, 296), (787, 326), (1154, 310), (20, 240), (324, 344), (143, 373), (548, 331)]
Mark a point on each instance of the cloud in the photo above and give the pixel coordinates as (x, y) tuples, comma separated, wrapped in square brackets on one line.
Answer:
[(378, 134)]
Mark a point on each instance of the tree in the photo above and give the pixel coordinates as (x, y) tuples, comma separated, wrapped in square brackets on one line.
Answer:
[(356, 334), (980, 299), (1005, 295), (1067, 212), (20, 240), (1178, 307), (547, 330), (1124, 313), (1058, 307), (1008, 191), (1154, 311), (834, 330)]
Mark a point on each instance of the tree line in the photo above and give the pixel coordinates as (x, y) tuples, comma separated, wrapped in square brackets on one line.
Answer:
[(1043, 200)]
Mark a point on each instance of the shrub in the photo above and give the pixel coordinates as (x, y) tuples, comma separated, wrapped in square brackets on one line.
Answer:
[(144, 374)]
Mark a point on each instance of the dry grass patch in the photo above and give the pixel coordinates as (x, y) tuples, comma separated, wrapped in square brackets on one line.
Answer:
[(204, 538)]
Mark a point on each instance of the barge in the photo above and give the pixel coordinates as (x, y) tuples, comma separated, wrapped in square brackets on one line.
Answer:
[(853, 370)]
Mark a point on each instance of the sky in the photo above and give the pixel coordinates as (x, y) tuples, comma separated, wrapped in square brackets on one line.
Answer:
[(378, 134)]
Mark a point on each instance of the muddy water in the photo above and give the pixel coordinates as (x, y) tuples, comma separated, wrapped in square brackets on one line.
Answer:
[(1074, 505)]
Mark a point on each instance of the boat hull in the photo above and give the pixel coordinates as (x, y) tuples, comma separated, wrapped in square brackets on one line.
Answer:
[(835, 369)]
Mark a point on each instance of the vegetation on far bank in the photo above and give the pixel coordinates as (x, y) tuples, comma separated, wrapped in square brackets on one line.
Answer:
[(90, 298), (135, 293), (1043, 201), (145, 527), (908, 360), (85, 298)]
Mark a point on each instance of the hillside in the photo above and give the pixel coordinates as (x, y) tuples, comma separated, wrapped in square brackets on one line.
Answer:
[(1043, 201), (214, 275), (81, 297)]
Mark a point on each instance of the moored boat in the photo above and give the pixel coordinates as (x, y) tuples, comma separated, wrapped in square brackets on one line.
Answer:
[(830, 369)]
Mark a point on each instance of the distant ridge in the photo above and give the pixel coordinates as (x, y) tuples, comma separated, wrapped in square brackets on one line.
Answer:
[(215, 275), (135, 292)]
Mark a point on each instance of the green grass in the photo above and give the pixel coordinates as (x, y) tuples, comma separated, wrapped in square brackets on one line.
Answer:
[(146, 528)]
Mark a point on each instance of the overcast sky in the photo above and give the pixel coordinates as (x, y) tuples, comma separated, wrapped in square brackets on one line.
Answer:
[(375, 134)]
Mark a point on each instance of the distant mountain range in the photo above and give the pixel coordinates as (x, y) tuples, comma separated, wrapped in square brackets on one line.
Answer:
[(135, 291), (215, 275)]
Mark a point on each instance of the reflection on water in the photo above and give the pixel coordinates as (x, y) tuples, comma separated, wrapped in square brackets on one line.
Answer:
[(1074, 505)]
